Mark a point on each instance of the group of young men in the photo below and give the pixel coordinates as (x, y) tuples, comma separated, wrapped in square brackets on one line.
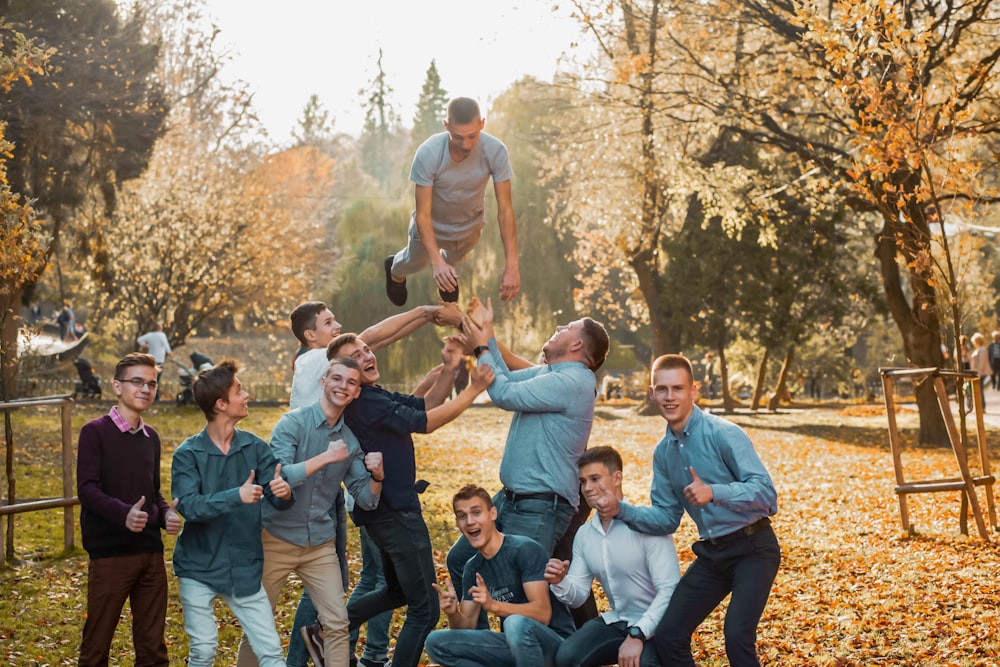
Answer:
[(253, 512)]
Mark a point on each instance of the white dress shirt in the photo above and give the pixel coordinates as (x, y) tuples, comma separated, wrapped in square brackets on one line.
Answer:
[(638, 572)]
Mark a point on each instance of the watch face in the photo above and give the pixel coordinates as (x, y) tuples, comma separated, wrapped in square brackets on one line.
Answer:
[(635, 633)]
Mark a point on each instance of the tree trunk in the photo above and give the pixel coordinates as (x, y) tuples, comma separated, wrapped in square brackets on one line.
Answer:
[(917, 322), (727, 398), (758, 390), (781, 389)]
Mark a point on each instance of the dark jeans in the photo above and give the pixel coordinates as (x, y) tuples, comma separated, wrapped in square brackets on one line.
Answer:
[(597, 643), (372, 578), (141, 579), (744, 565), (410, 575)]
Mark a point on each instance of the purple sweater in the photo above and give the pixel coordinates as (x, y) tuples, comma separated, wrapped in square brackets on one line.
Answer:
[(114, 470)]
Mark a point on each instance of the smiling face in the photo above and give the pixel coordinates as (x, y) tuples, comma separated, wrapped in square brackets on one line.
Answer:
[(327, 328), (236, 405), (596, 480), (361, 353), (136, 389), (477, 521), (674, 393), (341, 385)]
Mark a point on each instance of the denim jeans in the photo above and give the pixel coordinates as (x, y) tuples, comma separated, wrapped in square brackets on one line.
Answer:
[(410, 575), (372, 578), (252, 611), (744, 565), (524, 641), (597, 643), (544, 521)]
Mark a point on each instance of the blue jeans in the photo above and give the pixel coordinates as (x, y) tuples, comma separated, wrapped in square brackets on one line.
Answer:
[(253, 612), (410, 575), (305, 613), (543, 521), (744, 565), (597, 643), (524, 641), (372, 578)]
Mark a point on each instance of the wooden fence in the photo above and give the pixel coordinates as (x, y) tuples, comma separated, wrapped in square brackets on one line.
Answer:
[(9, 505)]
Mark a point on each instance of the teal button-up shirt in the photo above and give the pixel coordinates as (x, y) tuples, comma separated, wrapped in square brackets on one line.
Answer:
[(300, 435), (220, 545)]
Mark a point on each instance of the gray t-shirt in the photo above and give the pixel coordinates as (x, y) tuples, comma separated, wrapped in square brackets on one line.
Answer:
[(459, 188)]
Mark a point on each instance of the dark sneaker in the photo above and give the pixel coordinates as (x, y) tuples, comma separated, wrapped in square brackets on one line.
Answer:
[(365, 662), (314, 644), (395, 291), (451, 297)]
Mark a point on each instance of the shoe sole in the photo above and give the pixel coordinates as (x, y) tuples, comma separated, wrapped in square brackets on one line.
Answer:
[(318, 660)]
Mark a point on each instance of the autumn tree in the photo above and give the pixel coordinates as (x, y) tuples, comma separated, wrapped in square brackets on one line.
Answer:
[(88, 125), (315, 126)]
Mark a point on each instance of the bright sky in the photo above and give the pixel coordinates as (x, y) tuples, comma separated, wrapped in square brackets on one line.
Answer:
[(290, 50)]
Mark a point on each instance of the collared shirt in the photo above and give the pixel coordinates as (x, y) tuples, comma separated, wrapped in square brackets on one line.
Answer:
[(383, 421), (638, 573), (310, 366), (298, 436), (220, 545), (554, 411), (724, 458), (123, 424)]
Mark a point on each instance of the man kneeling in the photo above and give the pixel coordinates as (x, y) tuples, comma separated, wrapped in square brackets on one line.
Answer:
[(505, 577)]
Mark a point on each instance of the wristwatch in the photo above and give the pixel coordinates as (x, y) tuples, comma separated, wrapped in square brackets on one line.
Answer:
[(635, 632), (479, 349)]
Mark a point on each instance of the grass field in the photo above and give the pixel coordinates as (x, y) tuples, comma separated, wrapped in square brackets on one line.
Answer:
[(853, 588)]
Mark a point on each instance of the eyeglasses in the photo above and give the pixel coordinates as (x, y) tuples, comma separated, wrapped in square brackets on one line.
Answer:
[(139, 383)]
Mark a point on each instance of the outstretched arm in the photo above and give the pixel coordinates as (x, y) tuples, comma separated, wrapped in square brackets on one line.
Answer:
[(479, 380), (510, 280), (400, 326)]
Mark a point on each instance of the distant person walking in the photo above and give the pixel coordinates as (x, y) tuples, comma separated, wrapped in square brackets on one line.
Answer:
[(981, 365), (67, 323), (995, 360), (450, 172), (155, 342)]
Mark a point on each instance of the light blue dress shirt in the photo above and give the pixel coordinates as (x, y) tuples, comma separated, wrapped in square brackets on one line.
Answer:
[(724, 458)]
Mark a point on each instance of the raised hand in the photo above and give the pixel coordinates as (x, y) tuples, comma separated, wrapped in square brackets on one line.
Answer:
[(173, 519), (555, 570), (481, 594), (447, 597), (481, 377), (136, 518), (373, 461), (337, 450), (279, 487), (697, 492), (250, 493), (510, 283), (445, 276)]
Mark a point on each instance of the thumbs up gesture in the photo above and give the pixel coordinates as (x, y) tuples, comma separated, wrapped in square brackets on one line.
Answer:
[(136, 519), (173, 519), (279, 487), (697, 492), (250, 493)]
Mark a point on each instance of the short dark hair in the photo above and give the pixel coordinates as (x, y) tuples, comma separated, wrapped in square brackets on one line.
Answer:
[(339, 341), (608, 456), (669, 361), (304, 317), (470, 491), (462, 110), (213, 384), (133, 359), (346, 362), (595, 343)]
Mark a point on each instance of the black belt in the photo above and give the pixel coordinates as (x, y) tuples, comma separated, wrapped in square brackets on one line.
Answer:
[(745, 531), (549, 497)]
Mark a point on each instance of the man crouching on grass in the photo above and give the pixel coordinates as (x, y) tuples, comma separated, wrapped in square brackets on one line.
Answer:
[(505, 577), (219, 477)]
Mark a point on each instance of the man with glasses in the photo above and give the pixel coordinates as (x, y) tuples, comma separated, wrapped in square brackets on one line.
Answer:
[(121, 515)]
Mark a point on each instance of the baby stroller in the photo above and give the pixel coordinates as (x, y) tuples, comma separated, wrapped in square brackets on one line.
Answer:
[(186, 377), (89, 385)]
